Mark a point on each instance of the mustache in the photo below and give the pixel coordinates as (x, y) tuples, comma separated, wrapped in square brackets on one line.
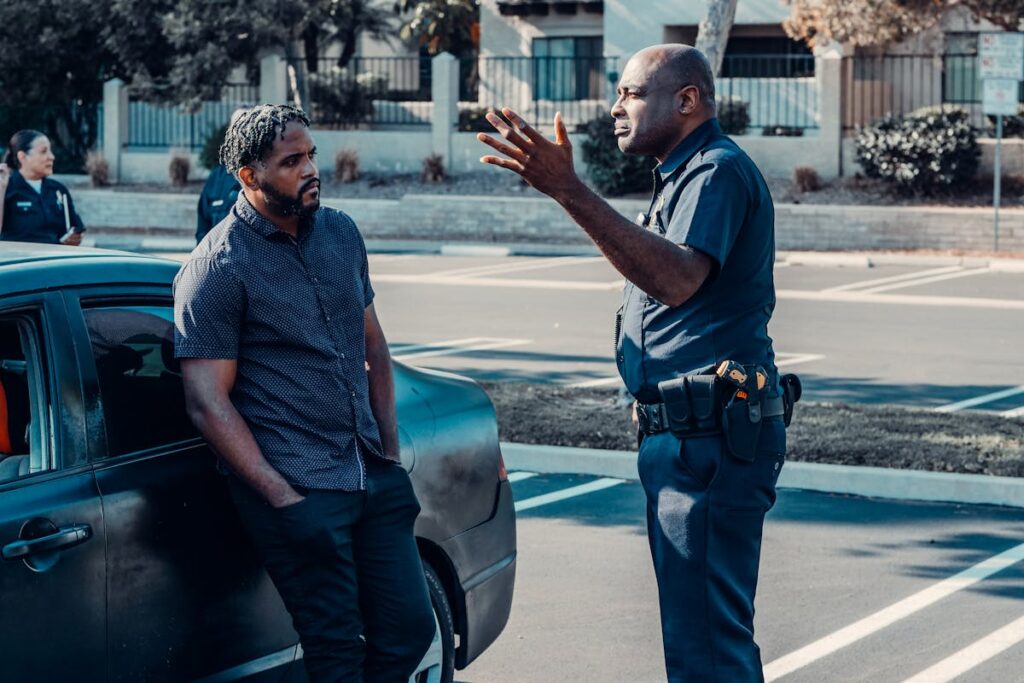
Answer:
[(308, 185)]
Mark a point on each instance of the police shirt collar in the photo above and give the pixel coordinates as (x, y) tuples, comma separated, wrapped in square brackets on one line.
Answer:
[(685, 150), (260, 223)]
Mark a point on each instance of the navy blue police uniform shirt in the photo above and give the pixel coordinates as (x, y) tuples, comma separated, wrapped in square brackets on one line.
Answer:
[(710, 196), (291, 313), (216, 200), (31, 216)]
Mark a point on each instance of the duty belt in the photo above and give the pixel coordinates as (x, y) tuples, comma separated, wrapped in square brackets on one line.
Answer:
[(653, 417)]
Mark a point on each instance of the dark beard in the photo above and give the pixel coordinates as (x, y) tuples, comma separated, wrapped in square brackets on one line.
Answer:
[(285, 205)]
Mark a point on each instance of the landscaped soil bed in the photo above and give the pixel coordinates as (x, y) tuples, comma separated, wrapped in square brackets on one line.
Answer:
[(841, 434)]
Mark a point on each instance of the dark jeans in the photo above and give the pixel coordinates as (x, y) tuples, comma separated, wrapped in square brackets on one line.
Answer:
[(705, 513), (347, 568)]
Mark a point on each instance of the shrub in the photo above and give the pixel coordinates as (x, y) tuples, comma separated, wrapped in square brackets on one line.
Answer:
[(806, 179), (433, 169), (474, 120), (1013, 126), (339, 98), (782, 131), (209, 157), (346, 166), (612, 172), (179, 169), (98, 169), (920, 153), (733, 114)]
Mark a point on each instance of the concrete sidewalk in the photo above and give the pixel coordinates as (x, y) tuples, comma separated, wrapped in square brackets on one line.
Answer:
[(871, 482)]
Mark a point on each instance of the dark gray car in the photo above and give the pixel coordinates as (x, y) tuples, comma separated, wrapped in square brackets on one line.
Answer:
[(123, 559)]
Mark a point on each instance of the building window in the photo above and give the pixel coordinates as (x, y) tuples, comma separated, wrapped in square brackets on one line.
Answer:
[(767, 57), (568, 68)]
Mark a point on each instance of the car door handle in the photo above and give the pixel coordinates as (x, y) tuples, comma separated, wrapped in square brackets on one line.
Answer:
[(62, 539)]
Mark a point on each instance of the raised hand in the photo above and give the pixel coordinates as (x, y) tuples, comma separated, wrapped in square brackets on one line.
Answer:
[(544, 164)]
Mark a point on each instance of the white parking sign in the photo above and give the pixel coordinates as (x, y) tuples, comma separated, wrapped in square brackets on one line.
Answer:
[(1001, 55), (999, 96)]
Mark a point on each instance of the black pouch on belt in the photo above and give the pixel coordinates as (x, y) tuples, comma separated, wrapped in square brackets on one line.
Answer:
[(690, 404), (741, 419)]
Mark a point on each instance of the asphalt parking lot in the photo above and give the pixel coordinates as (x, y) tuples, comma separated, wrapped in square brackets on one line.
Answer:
[(945, 337), (851, 589)]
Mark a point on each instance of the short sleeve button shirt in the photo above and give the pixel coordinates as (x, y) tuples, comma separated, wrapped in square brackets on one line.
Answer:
[(290, 311), (709, 196)]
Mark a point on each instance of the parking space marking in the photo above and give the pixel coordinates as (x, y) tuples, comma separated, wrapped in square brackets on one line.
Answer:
[(974, 654), (1015, 412), (898, 299), (927, 280), (571, 492), (787, 664), (513, 477), (456, 346), (525, 283), (980, 400), (894, 278), (532, 264), (391, 258), (781, 360)]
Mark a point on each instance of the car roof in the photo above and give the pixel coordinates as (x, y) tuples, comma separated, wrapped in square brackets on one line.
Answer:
[(28, 267)]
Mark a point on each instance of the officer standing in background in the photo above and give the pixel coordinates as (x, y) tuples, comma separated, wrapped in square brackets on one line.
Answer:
[(35, 207), (700, 292), (215, 202)]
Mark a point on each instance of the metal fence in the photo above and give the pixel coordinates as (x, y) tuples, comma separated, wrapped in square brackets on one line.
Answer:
[(156, 125), (366, 92), (780, 91), (876, 85)]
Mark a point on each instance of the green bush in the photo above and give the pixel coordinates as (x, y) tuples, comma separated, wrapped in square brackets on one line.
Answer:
[(612, 172), (733, 114), (473, 120), (920, 153), (338, 98), (1013, 126), (209, 156)]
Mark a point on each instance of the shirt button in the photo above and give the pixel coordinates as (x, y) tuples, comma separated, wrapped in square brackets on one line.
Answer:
[(353, 394), (328, 318), (343, 356)]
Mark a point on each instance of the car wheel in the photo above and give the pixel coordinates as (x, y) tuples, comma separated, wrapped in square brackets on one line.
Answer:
[(438, 665)]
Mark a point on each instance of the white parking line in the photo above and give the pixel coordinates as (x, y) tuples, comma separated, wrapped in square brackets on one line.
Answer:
[(848, 635), (925, 281), (899, 299), (974, 654), (456, 346), (894, 278), (525, 283), (1016, 412), (979, 400), (781, 360), (532, 264), (571, 492), (519, 476)]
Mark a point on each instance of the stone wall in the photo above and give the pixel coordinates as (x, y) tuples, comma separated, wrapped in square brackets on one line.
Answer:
[(534, 219)]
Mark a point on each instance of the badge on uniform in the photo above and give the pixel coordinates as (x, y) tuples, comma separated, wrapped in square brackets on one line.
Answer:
[(216, 202)]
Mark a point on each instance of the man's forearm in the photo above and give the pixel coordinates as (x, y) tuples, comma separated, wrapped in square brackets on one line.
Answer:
[(382, 398), (654, 264), (229, 435)]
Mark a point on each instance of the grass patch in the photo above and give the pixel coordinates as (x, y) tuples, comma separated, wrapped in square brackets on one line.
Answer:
[(841, 434)]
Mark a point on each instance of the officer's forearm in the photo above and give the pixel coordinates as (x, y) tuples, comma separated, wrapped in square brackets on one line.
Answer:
[(664, 270)]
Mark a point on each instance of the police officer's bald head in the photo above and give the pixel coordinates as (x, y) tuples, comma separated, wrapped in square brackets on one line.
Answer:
[(665, 92)]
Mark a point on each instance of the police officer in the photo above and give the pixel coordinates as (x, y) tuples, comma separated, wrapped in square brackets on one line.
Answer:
[(215, 202), (699, 292), (36, 208)]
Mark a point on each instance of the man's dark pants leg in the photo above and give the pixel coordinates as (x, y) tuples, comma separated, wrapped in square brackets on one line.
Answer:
[(705, 513), (347, 568)]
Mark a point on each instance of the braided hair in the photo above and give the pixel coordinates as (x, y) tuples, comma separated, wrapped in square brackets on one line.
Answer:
[(251, 134)]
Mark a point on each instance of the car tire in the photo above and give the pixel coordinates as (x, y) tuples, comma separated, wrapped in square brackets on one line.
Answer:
[(443, 669)]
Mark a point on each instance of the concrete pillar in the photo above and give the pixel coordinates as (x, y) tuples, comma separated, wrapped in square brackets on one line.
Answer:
[(444, 93), (115, 125), (828, 61), (273, 79)]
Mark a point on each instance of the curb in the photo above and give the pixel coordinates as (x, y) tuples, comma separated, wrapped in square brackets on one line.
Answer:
[(870, 482)]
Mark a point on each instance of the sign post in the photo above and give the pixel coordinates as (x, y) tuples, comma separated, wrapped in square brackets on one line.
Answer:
[(1001, 67)]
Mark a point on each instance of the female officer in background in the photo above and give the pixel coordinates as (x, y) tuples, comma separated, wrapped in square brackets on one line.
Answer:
[(36, 208)]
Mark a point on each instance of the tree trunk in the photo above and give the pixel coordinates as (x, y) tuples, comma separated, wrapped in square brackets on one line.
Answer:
[(713, 33)]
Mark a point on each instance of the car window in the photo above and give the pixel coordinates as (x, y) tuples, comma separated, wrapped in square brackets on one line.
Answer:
[(24, 402), (140, 380)]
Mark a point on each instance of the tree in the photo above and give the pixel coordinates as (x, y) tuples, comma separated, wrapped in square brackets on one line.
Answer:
[(713, 33), (442, 25), (878, 22)]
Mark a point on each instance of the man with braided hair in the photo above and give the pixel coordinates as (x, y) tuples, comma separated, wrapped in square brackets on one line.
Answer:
[(288, 377)]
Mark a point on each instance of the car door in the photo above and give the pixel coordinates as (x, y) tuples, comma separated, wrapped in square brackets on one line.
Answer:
[(53, 572), (189, 598)]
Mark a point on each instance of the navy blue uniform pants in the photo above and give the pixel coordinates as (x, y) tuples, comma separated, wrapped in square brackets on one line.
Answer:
[(705, 513), (347, 568)]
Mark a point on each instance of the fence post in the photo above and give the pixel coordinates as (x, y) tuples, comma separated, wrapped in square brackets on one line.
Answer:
[(115, 124), (444, 94), (273, 79), (828, 61)]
